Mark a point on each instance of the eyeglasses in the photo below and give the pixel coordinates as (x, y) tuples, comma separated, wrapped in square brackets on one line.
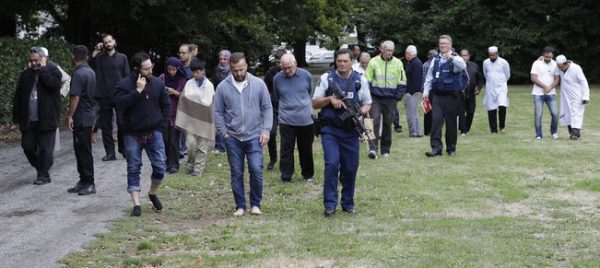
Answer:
[(148, 68)]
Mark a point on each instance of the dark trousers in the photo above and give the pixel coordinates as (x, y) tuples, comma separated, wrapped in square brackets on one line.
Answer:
[(383, 106), (272, 145), (427, 119), (106, 119), (304, 137), (172, 141), (38, 146), (82, 146), (466, 114), (396, 120), (341, 155), (444, 108), (501, 111)]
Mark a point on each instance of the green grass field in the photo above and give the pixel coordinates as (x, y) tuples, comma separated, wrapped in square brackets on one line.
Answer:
[(504, 200)]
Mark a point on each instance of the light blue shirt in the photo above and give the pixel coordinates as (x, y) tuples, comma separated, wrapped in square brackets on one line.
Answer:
[(364, 94)]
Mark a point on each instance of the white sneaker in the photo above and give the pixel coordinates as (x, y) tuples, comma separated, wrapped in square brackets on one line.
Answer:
[(538, 138), (386, 155), (555, 136), (239, 212), (372, 154), (255, 211)]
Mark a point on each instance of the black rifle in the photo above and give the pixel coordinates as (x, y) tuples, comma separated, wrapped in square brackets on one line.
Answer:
[(353, 111)]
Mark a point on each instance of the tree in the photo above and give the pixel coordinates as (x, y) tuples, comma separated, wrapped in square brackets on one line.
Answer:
[(295, 22)]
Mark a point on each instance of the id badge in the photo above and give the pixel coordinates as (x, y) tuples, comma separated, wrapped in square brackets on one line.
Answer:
[(437, 75)]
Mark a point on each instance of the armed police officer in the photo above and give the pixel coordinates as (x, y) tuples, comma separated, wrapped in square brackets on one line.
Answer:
[(339, 137), (445, 82)]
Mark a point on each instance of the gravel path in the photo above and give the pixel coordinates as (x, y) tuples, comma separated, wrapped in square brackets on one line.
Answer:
[(41, 224)]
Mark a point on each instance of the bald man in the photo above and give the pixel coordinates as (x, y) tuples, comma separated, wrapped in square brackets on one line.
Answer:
[(362, 64), (292, 89)]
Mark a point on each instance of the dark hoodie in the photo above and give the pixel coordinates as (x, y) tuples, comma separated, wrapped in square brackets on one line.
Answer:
[(143, 112)]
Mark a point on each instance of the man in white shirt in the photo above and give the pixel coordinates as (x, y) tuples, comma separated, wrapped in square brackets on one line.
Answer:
[(362, 64), (545, 78), (574, 95), (496, 72)]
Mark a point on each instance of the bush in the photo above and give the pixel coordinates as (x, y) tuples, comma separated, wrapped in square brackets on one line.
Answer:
[(14, 59)]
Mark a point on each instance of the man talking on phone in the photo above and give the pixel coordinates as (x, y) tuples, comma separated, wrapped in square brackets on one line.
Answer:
[(145, 107), (110, 67)]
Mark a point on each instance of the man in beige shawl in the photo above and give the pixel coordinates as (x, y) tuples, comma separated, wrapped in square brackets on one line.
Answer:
[(195, 116)]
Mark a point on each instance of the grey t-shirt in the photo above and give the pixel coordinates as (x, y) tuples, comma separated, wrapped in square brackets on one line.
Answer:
[(294, 96), (83, 84), (33, 101)]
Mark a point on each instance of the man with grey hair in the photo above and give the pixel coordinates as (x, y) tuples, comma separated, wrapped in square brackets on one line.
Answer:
[(414, 91), (445, 82), (387, 80), (496, 72), (292, 88), (36, 111), (363, 63)]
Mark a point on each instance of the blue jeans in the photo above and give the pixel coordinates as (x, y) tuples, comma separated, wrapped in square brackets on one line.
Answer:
[(341, 154), (252, 150), (538, 104), (155, 150)]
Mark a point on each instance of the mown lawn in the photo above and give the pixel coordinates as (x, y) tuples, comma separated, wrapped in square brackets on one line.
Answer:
[(504, 200)]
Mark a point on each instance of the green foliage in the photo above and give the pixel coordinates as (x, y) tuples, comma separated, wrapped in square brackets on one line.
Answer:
[(521, 29), (14, 59)]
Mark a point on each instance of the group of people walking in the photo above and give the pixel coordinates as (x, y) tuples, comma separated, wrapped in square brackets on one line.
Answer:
[(182, 112)]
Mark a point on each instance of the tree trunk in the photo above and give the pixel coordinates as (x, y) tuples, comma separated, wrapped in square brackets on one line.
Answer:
[(8, 24), (77, 24), (300, 52)]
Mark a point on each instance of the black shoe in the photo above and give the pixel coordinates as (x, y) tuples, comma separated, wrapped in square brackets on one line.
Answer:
[(75, 189), (270, 165), (398, 129), (173, 170), (87, 189), (111, 157), (350, 210), (155, 201), (283, 181), (136, 211), (433, 153), (372, 154), (452, 153), (42, 180), (329, 212)]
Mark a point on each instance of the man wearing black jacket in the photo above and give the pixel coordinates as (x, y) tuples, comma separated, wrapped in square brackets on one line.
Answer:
[(36, 110), (470, 93), (110, 67), (145, 107)]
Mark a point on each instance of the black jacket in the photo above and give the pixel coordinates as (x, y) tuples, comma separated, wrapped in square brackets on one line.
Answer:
[(142, 112), (476, 80), (48, 87)]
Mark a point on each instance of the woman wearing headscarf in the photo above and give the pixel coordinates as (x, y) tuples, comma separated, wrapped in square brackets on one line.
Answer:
[(221, 72), (174, 79)]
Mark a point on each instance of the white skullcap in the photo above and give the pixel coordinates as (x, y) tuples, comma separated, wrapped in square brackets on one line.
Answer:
[(561, 59), (45, 50), (493, 49)]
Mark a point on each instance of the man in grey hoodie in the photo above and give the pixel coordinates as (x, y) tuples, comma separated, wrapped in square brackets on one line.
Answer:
[(244, 116)]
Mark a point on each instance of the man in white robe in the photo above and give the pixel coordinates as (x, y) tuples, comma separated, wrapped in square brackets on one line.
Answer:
[(496, 71), (574, 95)]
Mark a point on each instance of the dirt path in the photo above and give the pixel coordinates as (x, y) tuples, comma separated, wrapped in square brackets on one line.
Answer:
[(41, 224)]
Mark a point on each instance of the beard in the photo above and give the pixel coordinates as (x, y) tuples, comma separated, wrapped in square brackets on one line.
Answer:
[(240, 78)]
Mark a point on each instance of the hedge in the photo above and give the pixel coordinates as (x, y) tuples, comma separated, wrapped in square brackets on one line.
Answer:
[(13, 59)]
